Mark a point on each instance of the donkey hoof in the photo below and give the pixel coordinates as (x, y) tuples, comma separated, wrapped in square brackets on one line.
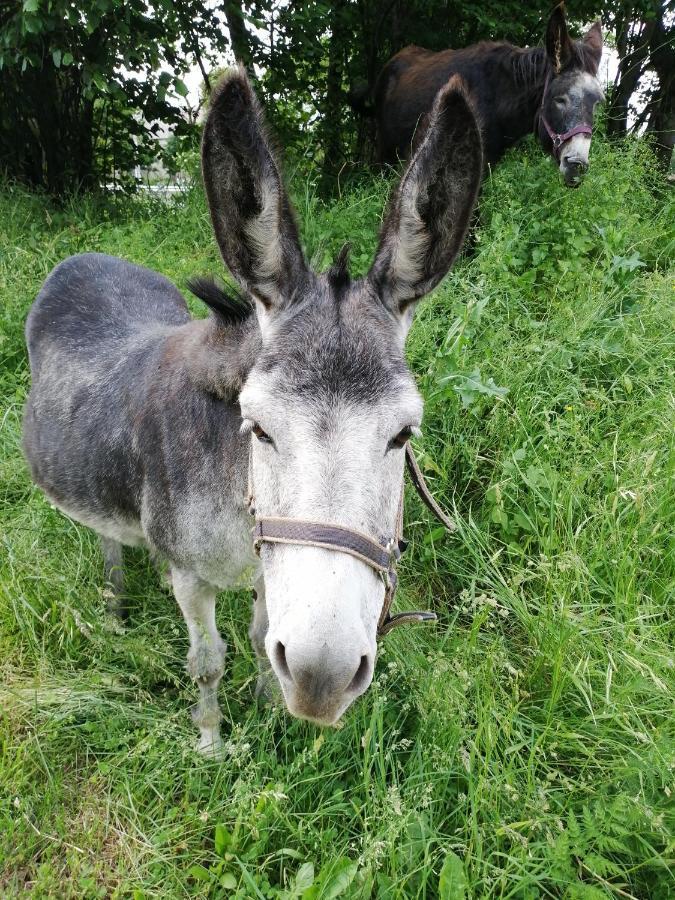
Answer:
[(210, 744), (116, 605)]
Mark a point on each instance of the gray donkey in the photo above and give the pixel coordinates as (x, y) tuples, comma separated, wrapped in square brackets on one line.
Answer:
[(156, 430)]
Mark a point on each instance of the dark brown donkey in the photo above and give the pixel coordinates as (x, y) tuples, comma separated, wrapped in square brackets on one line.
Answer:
[(551, 89)]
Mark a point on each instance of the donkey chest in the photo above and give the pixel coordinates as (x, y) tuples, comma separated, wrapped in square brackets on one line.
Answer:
[(209, 536)]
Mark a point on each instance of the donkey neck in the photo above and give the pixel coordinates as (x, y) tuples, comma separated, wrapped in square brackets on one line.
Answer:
[(216, 357), (190, 423), (519, 90)]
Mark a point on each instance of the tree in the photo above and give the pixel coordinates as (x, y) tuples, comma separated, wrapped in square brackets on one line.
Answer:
[(84, 87), (662, 106), (645, 42), (240, 40)]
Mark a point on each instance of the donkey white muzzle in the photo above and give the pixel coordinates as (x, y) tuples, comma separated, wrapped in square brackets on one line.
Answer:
[(320, 680), (322, 635), (574, 159)]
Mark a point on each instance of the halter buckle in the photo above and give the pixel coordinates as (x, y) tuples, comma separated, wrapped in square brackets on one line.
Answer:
[(256, 533), (389, 576)]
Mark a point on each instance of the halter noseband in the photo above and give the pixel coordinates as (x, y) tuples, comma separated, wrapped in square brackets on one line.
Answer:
[(382, 556), (558, 139)]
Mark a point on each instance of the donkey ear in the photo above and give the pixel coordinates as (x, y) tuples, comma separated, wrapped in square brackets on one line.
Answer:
[(593, 42), (430, 210), (558, 43), (250, 211)]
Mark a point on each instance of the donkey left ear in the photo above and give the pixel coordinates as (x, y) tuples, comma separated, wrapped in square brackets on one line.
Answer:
[(558, 43), (593, 42), (251, 214), (430, 210)]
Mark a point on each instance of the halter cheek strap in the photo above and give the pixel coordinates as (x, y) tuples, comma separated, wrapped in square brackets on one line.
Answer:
[(558, 139), (382, 555)]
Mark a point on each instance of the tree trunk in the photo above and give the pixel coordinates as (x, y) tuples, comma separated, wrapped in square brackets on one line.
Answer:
[(240, 39), (631, 68), (662, 61), (46, 128)]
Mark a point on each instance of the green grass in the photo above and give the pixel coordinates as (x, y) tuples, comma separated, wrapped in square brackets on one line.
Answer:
[(525, 746)]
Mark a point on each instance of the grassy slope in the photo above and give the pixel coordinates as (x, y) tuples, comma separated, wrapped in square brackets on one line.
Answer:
[(524, 746)]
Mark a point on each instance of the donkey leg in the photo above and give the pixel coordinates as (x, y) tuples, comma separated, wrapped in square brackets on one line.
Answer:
[(114, 577), (206, 657), (163, 569), (264, 689)]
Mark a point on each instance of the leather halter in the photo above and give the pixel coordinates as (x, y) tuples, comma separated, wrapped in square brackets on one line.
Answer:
[(382, 555), (558, 139)]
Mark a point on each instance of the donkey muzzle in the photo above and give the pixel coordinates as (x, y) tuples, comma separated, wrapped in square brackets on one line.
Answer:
[(573, 170), (320, 681)]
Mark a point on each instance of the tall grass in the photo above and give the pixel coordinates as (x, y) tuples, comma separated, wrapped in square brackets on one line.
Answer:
[(524, 747)]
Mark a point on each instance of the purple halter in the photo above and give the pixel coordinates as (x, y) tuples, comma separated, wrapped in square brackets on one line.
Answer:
[(559, 139)]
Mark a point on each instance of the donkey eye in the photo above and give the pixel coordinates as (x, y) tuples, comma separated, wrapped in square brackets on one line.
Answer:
[(261, 435), (560, 101), (401, 439)]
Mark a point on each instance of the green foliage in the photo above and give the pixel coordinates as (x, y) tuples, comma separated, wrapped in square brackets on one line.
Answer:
[(84, 86), (452, 882), (521, 748)]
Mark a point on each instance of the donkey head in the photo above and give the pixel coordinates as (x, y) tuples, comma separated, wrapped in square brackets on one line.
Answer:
[(571, 94), (329, 401)]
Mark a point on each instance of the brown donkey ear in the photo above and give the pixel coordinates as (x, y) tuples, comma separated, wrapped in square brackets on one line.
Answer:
[(558, 43), (251, 214), (430, 210), (593, 42)]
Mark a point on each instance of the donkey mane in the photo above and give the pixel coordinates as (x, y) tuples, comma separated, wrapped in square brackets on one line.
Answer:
[(231, 333), (233, 307), (230, 307), (530, 66), (338, 275)]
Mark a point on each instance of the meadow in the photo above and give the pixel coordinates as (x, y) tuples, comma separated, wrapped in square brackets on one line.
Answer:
[(522, 747)]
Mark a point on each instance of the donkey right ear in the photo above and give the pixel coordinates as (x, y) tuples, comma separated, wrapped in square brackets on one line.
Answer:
[(593, 42), (558, 43), (430, 210), (251, 214)]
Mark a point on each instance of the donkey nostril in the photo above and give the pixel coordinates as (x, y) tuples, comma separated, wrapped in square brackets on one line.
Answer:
[(360, 681), (577, 166), (279, 661)]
